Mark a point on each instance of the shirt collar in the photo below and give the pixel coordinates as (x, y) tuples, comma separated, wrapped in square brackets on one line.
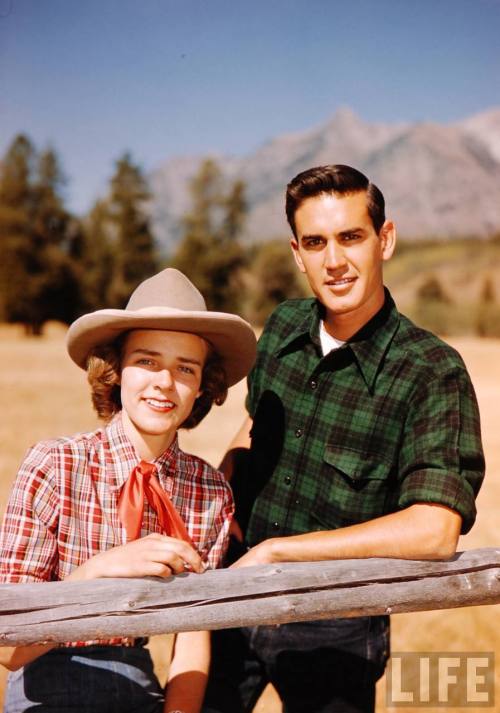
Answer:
[(369, 345), (307, 330), (121, 456)]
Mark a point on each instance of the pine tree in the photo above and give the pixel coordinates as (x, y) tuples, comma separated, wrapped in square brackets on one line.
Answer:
[(37, 278), (133, 243), (94, 253), (210, 253), (198, 226), (487, 296), (431, 290), (488, 311), (433, 306), (16, 213), (273, 278), (235, 212), (55, 286)]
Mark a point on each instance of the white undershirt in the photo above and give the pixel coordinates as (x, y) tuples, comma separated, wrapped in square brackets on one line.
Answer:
[(328, 343)]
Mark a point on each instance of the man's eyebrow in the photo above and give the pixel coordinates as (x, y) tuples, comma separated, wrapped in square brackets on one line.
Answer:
[(318, 236), (351, 230)]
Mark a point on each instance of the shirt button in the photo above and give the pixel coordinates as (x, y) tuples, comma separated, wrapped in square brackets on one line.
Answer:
[(313, 384), (288, 480), (276, 526), (298, 432)]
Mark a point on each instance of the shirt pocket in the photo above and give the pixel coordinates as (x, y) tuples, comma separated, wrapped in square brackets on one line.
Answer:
[(354, 486)]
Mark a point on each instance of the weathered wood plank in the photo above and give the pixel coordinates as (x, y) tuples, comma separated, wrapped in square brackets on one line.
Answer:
[(256, 580), (61, 611)]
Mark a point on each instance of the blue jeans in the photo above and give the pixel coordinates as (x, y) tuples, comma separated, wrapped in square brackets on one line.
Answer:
[(89, 679), (327, 666)]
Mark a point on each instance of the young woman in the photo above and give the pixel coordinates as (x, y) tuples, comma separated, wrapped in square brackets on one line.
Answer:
[(124, 500)]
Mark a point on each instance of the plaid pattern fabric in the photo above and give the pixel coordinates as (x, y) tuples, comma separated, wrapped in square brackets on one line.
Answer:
[(63, 506), (387, 420)]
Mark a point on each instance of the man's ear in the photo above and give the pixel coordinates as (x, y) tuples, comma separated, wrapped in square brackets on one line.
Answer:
[(388, 239), (296, 254)]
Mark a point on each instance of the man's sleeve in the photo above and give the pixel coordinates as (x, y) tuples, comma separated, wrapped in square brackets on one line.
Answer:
[(441, 459), (28, 541)]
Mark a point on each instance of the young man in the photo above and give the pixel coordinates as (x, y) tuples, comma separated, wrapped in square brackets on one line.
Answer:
[(125, 501), (364, 441)]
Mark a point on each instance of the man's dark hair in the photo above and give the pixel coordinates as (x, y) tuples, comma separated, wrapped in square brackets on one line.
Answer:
[(338, 179)]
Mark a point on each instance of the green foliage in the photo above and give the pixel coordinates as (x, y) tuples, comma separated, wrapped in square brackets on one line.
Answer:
[(273, 278), (487, 296), (209, 252), (55, 267), (432, 291), (432, 309), (133, 249), (94, 257), (16, 206), (114, 249), (37, 281), (468, 268), (488, 311), (235, 210)]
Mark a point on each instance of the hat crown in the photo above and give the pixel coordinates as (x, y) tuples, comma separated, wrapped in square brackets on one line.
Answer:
[(169, 288), (169, 302)]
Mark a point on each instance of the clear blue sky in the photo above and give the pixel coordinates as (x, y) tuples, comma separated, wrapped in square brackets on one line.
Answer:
[(163, 77)]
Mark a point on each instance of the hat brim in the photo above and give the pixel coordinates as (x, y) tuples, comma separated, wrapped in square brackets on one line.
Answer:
[(230, 336)]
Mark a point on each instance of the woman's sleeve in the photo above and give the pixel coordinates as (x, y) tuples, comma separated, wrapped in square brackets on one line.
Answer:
[(220, 530), (28, 537)]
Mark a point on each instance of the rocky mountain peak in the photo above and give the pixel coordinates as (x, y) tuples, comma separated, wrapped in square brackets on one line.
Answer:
[(439, 180)]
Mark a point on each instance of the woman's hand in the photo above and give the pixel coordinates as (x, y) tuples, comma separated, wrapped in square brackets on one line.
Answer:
[(152, 556)]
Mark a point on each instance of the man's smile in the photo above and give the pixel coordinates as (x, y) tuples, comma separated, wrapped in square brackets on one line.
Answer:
[(340, 281)]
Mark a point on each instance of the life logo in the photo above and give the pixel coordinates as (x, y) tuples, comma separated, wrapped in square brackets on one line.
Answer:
[(441, 679)]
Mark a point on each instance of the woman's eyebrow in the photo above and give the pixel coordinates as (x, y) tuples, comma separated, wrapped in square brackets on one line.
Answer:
[(189, 360), (151, 352)]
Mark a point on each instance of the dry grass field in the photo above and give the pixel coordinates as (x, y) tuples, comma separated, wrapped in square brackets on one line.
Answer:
[(44, 395)]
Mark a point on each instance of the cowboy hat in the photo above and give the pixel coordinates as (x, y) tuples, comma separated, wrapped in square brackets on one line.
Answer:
[(168, 301)]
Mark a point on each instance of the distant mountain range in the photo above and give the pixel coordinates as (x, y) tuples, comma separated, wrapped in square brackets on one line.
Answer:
[(438, 180)]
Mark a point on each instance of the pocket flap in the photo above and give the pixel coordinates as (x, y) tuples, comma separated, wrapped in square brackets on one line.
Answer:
[(357, 465)]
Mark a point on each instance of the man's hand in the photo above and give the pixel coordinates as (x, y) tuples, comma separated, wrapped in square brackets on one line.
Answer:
[(152, 556), (420, 531), (260, 554)]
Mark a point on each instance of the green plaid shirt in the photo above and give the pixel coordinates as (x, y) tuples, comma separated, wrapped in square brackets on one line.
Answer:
[(387, 420)]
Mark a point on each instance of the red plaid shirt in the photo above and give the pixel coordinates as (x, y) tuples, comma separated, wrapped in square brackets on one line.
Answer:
[(63, 506)]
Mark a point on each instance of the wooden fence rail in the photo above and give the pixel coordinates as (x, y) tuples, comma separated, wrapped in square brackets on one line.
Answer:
[(268, 594)]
